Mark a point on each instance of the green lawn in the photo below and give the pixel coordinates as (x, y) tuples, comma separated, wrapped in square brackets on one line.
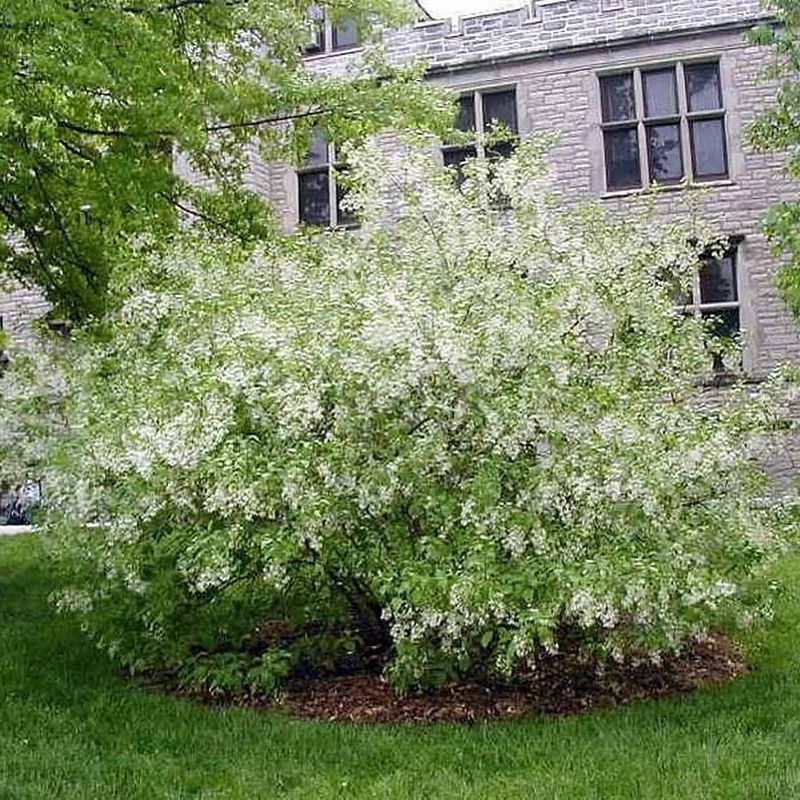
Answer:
[(70, 728)]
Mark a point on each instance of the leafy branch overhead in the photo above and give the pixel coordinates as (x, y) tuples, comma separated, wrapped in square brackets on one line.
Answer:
[(95, 97), (778, 129)]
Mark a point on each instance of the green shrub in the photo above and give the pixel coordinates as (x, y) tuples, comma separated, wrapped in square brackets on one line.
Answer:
[(451, 442)]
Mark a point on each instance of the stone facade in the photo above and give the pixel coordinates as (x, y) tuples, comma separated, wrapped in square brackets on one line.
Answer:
[(19, 308), (552, 53), (550, 27)]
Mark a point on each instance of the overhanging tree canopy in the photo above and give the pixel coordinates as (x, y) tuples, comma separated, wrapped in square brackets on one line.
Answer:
[(778, 129), (94, 95)]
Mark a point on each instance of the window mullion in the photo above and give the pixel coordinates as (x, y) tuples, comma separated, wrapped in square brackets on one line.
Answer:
[(644, 161), (728, 305), (332, 198), (697, 299), (683, 109), (479, 148)]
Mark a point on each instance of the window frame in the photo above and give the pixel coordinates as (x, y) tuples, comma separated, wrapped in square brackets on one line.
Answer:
[(324, 42), (697, 306), (683, 117), (478, 143), (701, 310), (332, 169)]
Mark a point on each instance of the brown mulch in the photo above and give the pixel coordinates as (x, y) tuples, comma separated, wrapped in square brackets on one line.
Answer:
[(560, 685), (556, 687)]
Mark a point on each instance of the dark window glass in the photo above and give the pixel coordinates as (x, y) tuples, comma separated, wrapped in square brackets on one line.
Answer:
[(455, 157), (708, 148), (466, 114), (500, 150), (345, 34), (724, 322), (703, 90), (660, 94), (500, 107), (622, 158), (317, 43), (616, 92), (664, 153), (314, 197), (318, 151), (718, 280)]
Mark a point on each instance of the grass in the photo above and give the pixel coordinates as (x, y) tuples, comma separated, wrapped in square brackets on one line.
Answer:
[(70, 728)]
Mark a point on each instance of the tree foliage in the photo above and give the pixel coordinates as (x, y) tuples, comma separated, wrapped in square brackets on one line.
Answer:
[(463, 439), (778, 129), (95, 95)]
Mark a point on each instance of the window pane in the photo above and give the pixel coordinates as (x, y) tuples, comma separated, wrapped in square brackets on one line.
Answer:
[(664, 153), (622, 159), (703, 90), (345, 34), (660, 94), (317, 43), (724, 323), (708, 148), (314, 200), (343, 216), (500, 107), (318, 151), (718, 281), (456, 156), (616, 93), (466, 113), (500, 150)]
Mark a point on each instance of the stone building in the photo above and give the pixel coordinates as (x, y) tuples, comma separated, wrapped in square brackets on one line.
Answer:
[(640, 91)]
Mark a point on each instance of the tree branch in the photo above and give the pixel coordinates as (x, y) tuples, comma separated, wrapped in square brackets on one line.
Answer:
[(256, 123), (76, 151), (199, 214), (31, 237), (215, 128), (115, 133)]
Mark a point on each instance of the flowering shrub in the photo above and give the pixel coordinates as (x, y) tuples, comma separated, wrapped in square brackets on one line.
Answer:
[(461, 438)]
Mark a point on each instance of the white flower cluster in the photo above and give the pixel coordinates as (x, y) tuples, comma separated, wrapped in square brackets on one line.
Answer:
[(486, 420)]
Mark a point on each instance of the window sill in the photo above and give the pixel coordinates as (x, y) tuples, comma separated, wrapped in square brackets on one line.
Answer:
[(723, 378), (316, 227), (667, 187), (343, 51)]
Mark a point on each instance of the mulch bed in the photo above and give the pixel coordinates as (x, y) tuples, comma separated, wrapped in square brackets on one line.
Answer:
[(560, 685), (556, 688)]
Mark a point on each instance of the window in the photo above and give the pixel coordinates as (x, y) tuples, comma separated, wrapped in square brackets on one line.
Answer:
[(344, 35), (330, 37), (484, 111), (320, 195), (663, 125), (715, 297)]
